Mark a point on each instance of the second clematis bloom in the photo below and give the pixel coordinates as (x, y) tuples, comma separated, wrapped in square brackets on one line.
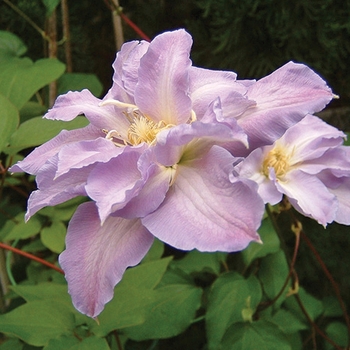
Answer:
[(310, 166), (157, 160)]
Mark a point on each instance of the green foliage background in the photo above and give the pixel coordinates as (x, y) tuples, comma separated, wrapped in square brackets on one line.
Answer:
[(172, 300)]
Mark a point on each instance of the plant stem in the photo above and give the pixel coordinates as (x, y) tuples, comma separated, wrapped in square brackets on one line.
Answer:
[(66, 35), (31, 256)]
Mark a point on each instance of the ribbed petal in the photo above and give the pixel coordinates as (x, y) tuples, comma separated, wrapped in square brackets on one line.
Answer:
[(84, 153), (309, 196), (111, 185), (97, 256), (35, 160), (126, 67), (162, 90), (282, 99), (193, 140), (204, 210), (53, 191), (207, 85), (75, 103)]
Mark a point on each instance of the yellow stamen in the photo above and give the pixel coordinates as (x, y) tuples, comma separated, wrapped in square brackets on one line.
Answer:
[(279, 159)]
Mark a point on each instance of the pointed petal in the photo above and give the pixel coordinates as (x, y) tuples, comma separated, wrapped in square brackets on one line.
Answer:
[(283, 98), (162, 90), (126, 67), (53, 191), (97, 256), (75, 103), (204, 210), (309, 196), (35, 160)]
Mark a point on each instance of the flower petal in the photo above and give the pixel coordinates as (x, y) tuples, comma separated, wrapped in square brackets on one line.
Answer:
[(111, 185), (97, 256), (282, 99), (75, 103), (35, 160), (162, 90), (84, 153), (52, 191), (204, 210), (207, 85), (309, 196)]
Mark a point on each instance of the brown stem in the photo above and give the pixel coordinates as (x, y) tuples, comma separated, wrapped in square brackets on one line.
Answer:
[(52, 52), (117, 25), (31, 256), (331, 279), (66, 35)]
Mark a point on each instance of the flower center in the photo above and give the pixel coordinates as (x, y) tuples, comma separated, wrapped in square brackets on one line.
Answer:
[(278, 159), (145, 130)]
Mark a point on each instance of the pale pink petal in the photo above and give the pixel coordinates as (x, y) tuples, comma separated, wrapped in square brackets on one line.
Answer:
[(204, 210), (97, 256), (36, 159), (162, 89)]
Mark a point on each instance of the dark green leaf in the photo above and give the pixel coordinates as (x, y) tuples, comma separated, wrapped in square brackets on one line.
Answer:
[(156, 251), (288, 322), (196, 261), (27, 134), (231, 300), (37, 322), (30, 110), (260, 335), (271, 243), (79, 81), (170, 312), (11, 45), (62, 343), (9, 121), (20, 78), (338, 332), (273, 274), (50, 6), (22, 229), (53, 237)]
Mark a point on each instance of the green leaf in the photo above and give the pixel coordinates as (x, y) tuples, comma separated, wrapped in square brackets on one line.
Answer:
[(38, 322), (331, 307), (271, 243), (27, 134), (338, 332), (20, 78), (260, 335), (288, 322), (273, 273), (155, 253), (196, 261), (127, 308), (11, 344), (22, 229), (313, 306), (53, 237), (50, 6), (229, 299), (72, 343), (11, 45), (79, 81), (9, 120), (30, 110), (62, 343), (170, 312), (145, 276)]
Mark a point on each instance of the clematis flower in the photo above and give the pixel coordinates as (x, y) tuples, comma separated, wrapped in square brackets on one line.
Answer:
[(157, 160), (310, 166), (151, 161)]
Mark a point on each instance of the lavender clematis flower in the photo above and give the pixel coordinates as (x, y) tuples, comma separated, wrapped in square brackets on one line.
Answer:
[(157, 160), (152, 162), (310, 166)]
